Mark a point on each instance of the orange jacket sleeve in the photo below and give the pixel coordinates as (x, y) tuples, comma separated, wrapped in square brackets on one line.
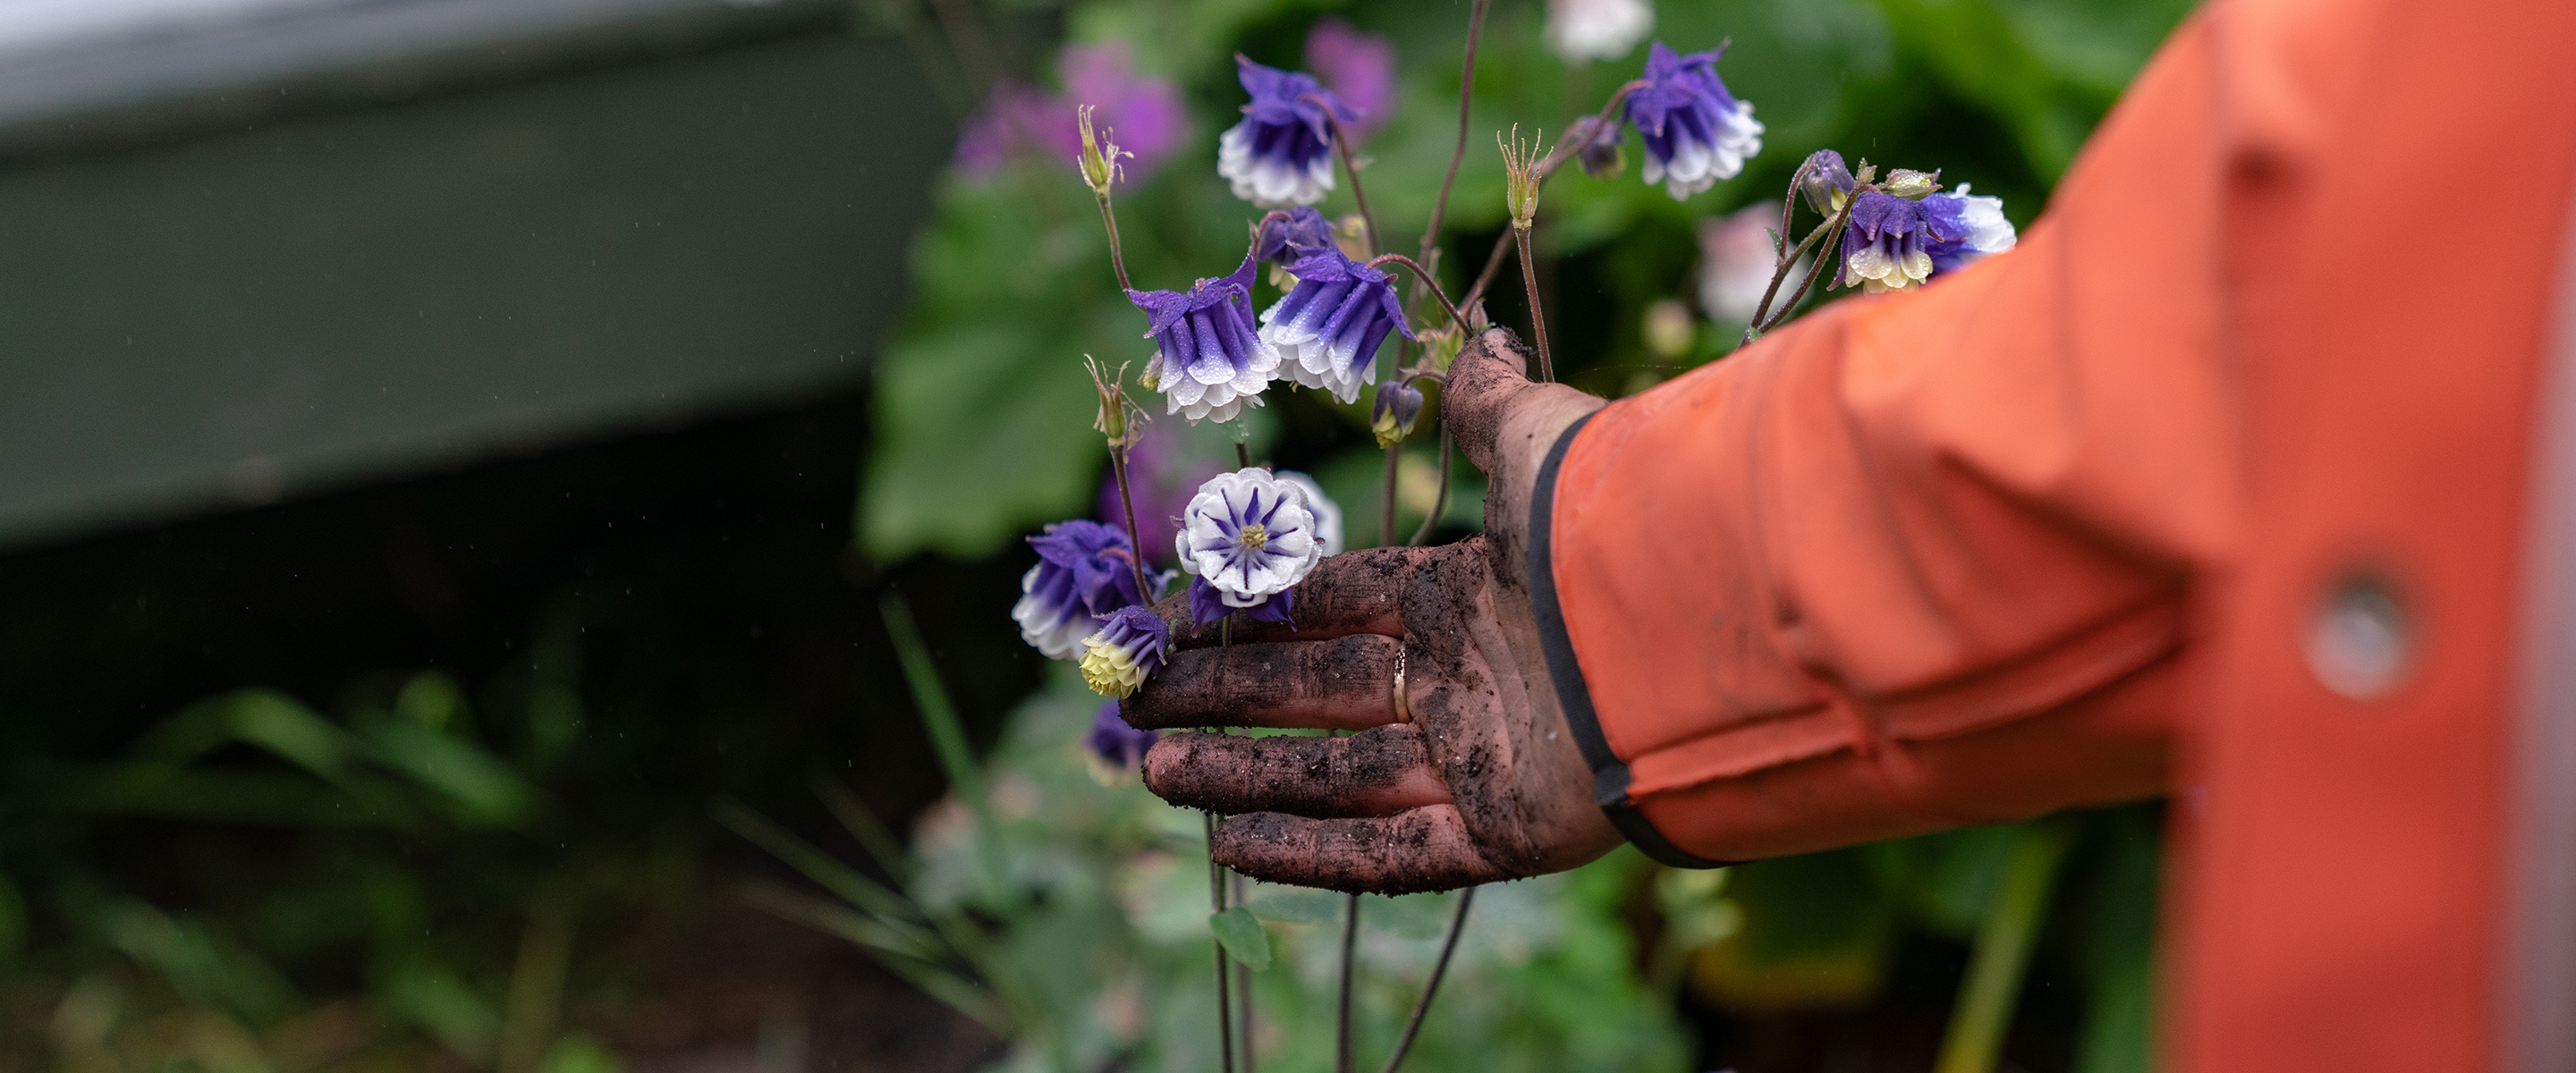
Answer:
[(1919, 560)]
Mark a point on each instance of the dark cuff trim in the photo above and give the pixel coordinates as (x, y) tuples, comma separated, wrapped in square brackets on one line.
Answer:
[(1609, 774)]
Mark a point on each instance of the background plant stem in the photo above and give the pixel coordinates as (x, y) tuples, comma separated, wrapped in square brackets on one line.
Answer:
[(1984, 1012)]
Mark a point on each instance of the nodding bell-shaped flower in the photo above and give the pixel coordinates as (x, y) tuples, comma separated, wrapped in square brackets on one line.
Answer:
[(1248, 537), (1981, 218), (1083, 572), (1398, 406), (1210, 361), (1282, 152), (1696, 132), (1283, 237), (1328, 328), (1826, 182), (1114, 742), (1125, 651), (1597, 147), (1887, 246)]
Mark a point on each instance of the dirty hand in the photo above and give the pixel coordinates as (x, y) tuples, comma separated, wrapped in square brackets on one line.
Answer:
[(1484, 783)]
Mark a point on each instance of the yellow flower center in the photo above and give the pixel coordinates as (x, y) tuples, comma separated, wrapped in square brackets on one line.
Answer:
[(1254, 536)]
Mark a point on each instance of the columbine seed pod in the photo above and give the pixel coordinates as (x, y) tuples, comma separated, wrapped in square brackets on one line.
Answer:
[(1099, 165), (1398, 406), (1520, 175)]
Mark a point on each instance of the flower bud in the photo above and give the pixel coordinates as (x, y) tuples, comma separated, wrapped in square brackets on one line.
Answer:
[(1826, 182), (1399, 405), (1113, 419), (1521, 177), (1099, 165), (1600, 154), (1912, 185)]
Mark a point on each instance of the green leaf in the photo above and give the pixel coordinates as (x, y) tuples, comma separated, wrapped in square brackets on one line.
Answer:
[(1243, 936), (486, 790)]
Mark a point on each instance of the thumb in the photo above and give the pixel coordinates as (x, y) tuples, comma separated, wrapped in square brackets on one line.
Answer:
[(1497, 413)]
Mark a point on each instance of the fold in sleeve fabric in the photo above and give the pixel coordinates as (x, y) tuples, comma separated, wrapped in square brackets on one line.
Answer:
[(1922, 559)]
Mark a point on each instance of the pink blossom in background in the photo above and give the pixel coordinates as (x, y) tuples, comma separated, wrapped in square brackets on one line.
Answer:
[(1736, 262), (1358, 67), (1142, 113)]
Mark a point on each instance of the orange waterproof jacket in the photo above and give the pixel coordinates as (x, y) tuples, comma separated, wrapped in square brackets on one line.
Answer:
[(2249, 478)]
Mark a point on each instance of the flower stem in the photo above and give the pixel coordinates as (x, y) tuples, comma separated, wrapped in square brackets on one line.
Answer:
[(1386, 498), (1547, 166), (1538, 319), (1780, 271), (1484, 279), (1224, 1003), (1423, 276), (1243, 984), (1836, 229), (1440, 502), (2002, 953), (1117, 258), (1135, 536), (1431, 987), (1342, 149), (1242, 455), (1342, 1059), (1466, 98)]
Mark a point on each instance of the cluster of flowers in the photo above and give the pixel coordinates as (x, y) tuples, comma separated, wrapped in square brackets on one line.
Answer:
[(1246, 538)]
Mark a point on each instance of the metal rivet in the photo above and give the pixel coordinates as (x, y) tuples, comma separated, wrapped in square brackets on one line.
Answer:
[(2361, 642)]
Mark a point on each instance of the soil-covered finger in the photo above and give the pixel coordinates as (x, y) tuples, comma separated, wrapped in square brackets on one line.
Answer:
[(1489, 373), (1377, 772), (1345, 683), (1353, 592), (1420, 850)]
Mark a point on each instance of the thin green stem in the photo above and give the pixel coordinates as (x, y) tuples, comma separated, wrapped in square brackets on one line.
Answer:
[(1243, 985), (1117, 258), (1983, 1016), (1431, 987), (1386, 498), (1342, 151), (1439, 502), (1538, 317), (1135, 536), (1423, 275), (1224, 998), (1343, 1062)]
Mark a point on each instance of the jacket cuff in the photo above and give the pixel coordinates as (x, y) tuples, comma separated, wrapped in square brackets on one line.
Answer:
[(1609, 773)]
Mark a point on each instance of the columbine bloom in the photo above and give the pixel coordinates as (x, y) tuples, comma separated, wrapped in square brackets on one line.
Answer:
[(1287, 236), (1126, 651), (1696, 132), (1211, 360), (1398, 406), (1328, 514), (1083, 572), (1113, 741), (1248, 536), (1886, 246), (1358, 67), (1282, 152), (1327, 329), (1580, 30), (1982, 220)]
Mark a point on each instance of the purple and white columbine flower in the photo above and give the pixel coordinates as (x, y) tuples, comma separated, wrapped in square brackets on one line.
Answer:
[(1212, 361), (1887, 245), (1083, 572), (1248, 536), (1116, 743), (1282, 152), (1328, 514), (1328, 328), (1982, 218), (1125, 651), (1287, 236), (1579, 30), (1696, 132)]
